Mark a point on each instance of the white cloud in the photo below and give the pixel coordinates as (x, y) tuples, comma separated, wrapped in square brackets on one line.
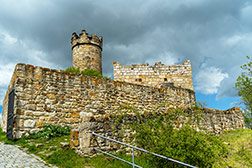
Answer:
[(239, 39), (234, 104), (167, 58), (6, 73), (234, 39), (2, 94), (208, 79), (24, 52), (9, 39)]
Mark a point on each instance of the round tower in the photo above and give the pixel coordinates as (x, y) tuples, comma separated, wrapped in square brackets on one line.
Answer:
[(87, 51)]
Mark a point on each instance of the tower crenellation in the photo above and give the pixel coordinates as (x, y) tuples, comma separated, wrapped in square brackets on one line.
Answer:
[(87, 51)]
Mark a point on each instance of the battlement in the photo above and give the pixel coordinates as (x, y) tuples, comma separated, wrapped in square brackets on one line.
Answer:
[(179, 75), (87, 51), (186, 63), (84, 38)]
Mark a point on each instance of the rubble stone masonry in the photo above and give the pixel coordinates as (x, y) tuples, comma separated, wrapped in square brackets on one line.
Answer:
[(87, 51), (82, 140), (45, 95), (179, 75)]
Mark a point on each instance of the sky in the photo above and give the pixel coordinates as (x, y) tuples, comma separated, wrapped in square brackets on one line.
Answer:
[(216, 36)]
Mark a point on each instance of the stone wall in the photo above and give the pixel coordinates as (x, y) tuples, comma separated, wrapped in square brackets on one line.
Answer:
[(83, 142), (44, 95), (178, 75)]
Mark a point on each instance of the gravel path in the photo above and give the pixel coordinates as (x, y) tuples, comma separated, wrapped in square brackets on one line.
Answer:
[(12, 157)]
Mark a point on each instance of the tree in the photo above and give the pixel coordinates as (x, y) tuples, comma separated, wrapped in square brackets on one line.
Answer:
[(244, 86)]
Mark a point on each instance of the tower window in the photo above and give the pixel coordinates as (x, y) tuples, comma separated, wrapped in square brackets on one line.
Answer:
[(169, 84)]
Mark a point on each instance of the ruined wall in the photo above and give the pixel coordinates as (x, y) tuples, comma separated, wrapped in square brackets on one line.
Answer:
[(50, 96), (87, 51), (83, 142), (179, 75)]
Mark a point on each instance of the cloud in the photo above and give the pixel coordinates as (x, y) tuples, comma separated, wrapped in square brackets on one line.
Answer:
[(209, 79), (6, 72), (217, 34), (13, 51)]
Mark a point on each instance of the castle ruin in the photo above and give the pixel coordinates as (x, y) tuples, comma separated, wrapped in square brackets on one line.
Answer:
[(37, 95)]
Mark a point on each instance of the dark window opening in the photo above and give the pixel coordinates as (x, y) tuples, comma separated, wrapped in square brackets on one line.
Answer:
[(170, 84), (165, 79)]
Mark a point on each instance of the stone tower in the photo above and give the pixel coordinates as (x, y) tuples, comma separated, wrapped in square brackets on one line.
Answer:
[(87, 51)]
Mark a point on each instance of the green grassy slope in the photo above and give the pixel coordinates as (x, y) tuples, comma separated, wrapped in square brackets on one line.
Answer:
[(239, 143)]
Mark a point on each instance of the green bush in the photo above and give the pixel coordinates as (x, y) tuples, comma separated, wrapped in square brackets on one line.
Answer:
[(50, 131), (157, 134), (92, 72), (73, 70), (88, 72)]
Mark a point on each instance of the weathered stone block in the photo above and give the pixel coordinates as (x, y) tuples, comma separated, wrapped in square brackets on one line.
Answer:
[(31, 107), (40, 124), (74, 135), (29, 123), (76, 115)]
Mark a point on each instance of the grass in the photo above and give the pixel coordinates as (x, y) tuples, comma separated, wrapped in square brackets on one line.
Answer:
[(51, 151), (240, 148), (239, 143)]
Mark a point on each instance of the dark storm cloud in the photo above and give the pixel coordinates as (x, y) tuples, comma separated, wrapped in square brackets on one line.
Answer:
[(214, 34)]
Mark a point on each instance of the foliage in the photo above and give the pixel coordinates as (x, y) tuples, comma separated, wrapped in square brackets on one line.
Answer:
[(91, 72), (244, 86), (3, 137), (51, 151), (240, 149), (88, 72), (73, 70), (157, 134), (248, 118), (50, 131), (240, 152)]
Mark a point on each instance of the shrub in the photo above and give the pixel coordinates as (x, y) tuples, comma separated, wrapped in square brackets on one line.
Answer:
[(88, 72), (73, 70), (157, 134), (92, 72), (50, 131)]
